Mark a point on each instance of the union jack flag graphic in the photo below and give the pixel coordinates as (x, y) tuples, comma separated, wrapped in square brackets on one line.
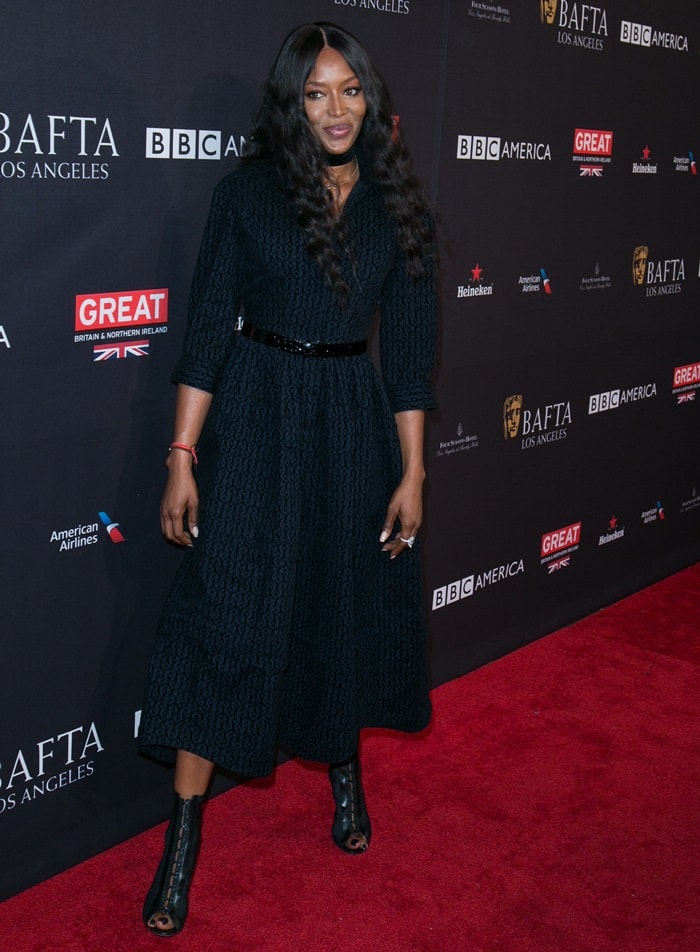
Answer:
[(558, 564), (134, 348), (591, 170), (686, 397)]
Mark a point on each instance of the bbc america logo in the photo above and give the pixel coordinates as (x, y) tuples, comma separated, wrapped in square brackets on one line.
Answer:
[(208, 144), (639, 34), (470, 584), (612, 399), (493, 148)]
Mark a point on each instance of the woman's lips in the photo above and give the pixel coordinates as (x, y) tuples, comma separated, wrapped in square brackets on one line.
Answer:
[(338, 132)]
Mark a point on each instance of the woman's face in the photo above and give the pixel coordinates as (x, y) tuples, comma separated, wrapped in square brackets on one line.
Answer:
[(334, 102)]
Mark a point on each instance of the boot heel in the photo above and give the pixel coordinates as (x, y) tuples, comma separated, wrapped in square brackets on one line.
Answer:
[(352, 829), (165, 908)]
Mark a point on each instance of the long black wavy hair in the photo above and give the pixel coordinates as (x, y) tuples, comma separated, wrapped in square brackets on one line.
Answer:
[(281, 133)]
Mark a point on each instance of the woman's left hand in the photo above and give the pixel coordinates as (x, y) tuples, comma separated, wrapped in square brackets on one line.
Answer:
[(406, 506)]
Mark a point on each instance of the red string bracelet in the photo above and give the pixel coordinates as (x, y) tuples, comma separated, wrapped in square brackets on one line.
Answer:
[(188, 449)]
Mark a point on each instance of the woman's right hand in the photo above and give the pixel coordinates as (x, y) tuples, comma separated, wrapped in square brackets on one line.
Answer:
[(180, 503)]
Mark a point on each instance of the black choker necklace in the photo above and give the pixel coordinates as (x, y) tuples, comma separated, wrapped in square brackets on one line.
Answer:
[(343, 159)]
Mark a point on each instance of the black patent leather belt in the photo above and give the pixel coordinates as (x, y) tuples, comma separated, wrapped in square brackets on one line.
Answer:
[(315, 348)]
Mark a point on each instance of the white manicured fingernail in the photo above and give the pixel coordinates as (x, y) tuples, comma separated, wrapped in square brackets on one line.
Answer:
[(195, 531), (384, 536)]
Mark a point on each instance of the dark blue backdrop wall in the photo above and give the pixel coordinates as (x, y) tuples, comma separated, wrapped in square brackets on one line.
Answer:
[(558, 143)]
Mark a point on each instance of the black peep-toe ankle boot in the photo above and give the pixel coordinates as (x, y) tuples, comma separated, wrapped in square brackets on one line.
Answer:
[(165, 908), (352, 829)]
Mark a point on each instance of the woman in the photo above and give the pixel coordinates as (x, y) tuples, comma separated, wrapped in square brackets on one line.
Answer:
[(293, 623)]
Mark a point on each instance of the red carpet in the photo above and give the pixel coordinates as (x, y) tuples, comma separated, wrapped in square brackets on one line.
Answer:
[(552, 807)]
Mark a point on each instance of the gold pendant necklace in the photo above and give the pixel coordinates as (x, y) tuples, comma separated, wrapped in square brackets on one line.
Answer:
[(337, 184)]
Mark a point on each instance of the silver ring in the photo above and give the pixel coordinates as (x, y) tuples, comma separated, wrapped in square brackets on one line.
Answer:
[(409, 541)]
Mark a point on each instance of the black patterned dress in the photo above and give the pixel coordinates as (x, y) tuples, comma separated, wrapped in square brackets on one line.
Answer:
[(286, 625)]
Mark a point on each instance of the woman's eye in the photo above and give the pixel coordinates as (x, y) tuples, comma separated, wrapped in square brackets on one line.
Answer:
[(314, 94), (353, 91)]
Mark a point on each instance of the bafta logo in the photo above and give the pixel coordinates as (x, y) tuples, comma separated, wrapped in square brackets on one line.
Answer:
[(639, 264), (512, 411), (548, 10)]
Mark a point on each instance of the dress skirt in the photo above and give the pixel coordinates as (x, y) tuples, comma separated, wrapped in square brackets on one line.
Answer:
[(287, 626)]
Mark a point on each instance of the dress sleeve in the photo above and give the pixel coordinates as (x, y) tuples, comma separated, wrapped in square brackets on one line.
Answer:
[(407, 336), (211, 318)]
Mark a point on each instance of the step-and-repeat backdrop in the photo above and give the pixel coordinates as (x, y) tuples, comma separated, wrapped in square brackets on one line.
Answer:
[(558, 141)]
